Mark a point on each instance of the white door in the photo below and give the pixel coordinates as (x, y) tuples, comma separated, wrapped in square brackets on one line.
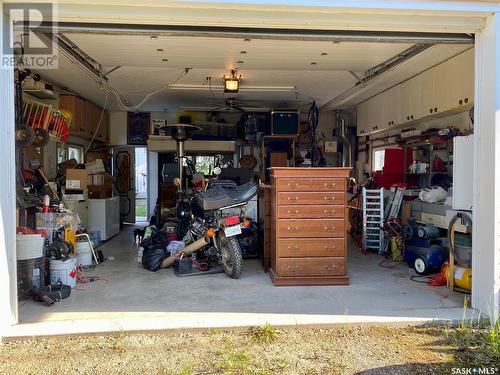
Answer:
[(124, 172)]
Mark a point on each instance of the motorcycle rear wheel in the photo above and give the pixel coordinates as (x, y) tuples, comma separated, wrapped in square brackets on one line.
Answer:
[(231, 258)]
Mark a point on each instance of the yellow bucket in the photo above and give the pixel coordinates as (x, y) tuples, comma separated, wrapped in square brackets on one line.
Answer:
[(70, 236), (463, 276)]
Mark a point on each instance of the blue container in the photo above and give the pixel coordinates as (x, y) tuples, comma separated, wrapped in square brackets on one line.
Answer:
[(95, 237)]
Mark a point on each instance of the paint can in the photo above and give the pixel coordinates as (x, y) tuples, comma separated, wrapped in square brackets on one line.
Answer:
[(29, 246), (64, 271), (83, 254)]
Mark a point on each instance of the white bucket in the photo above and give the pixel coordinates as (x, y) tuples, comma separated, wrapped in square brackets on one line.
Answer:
[(64, 271), (29, 246), (83, 253)]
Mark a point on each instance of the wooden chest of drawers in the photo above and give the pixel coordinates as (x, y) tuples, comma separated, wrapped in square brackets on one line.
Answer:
[(308, 226)]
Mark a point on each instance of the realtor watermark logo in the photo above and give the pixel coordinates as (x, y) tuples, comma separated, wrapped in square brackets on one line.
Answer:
[(29, 30), (475, 370)]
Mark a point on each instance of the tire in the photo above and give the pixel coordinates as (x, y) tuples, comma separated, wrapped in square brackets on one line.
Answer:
[(421, 266), (231, 258)]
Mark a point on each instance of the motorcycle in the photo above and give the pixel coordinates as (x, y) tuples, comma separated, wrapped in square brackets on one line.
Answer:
[(213, 219)]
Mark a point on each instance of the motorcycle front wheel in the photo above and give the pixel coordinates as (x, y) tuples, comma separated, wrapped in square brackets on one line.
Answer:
[(231, 258)]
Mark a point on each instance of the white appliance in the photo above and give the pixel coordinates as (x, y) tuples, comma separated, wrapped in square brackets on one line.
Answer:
[(463, 157), (104, 216)]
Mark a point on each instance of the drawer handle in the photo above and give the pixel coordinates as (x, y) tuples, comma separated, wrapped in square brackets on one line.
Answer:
[(293, 198), (326, 184), (330, 267), (293, 248), (293, 268), (329, 229), (332, 212), (330, 248), (293, 229), (292, 184), (293, 212), (326, 198)]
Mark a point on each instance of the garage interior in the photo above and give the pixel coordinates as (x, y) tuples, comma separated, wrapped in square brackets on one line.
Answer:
[(395, 108)]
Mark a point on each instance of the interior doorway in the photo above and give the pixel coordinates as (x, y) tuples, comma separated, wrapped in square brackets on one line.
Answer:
[(141, 184)]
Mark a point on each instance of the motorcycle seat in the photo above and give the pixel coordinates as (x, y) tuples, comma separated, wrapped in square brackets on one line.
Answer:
[(218, 197), (243, 193)]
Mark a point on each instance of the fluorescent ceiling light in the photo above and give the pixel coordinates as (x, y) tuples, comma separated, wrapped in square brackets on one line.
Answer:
[(205, 87)]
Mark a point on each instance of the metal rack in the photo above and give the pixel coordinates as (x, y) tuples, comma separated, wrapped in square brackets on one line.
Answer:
[(373, 219)]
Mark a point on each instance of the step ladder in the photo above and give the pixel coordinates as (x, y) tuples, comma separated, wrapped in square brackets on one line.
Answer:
[(373, 219), (394, 204)]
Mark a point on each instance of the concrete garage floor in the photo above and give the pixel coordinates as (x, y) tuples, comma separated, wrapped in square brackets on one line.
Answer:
[(136, 299)]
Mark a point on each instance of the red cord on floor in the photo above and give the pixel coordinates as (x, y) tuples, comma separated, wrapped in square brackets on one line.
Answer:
[(438, 279), (81, 278)]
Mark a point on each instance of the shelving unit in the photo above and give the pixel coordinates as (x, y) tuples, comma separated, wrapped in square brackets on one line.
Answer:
[(431, 149)]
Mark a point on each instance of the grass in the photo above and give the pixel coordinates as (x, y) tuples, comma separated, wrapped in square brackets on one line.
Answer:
[(265, 333), (263, 350), (233, 361), (475, 345), (141, 211), (476, 342)]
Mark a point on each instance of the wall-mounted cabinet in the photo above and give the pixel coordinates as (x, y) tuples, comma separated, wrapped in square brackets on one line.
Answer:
[(86, 117), (454, 82), (446, 88)]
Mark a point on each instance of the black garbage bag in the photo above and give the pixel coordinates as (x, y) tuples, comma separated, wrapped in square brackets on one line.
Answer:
[(157, 237), (153, 256)]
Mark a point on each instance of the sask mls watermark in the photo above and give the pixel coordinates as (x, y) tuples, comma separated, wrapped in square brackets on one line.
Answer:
[(474, 370), (29, 30)]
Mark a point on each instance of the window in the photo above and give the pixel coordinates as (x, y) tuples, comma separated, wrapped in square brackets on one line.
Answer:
[(69, 151), (205, 163), (378, 160)]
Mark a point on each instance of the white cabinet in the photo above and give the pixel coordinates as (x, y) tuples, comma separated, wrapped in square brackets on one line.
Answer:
[(422, 95), (454, 82), (390, 107), (378, 113), (362, 118), (448, 87), (104, 216)]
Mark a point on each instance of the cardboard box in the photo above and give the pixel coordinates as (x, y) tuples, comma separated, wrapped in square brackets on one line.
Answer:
[(95, 166), (100, 179), (101, 187), (100, 191), (76, 179)]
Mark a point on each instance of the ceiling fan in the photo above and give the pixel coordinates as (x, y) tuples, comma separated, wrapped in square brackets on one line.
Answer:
[(230, 105)]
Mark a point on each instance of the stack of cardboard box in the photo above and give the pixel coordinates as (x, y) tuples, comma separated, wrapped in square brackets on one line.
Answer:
[(100, 183)]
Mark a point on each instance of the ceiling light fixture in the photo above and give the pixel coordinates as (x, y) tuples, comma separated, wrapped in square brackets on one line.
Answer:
[(232, 83)]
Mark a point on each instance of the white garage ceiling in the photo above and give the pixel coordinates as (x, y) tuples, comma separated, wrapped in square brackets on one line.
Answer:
[(320, 70)]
